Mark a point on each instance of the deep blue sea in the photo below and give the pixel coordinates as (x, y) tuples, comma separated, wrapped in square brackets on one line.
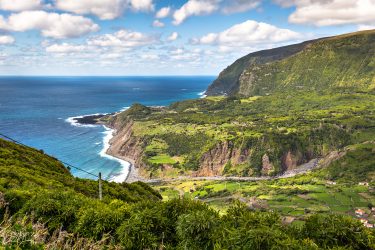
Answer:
[(36, 112)]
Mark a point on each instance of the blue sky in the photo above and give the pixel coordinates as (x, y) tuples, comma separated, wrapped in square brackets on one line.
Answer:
[(161, 37)]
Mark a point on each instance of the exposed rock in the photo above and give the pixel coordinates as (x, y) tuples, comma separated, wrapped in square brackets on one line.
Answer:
[(126, 146), (212, 163), (289, 161), (331, 157), (267, 166)]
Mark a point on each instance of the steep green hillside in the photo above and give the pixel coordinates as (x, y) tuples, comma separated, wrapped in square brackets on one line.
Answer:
[(24, 172), (263, 135), (343, 62), (50, 209)]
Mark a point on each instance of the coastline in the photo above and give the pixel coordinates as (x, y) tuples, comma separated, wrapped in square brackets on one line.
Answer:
[(133, 175), (126, 164), (129, 173)]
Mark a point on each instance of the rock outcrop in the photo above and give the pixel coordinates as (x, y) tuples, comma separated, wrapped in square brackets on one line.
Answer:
[(212, 163), (267, 167)]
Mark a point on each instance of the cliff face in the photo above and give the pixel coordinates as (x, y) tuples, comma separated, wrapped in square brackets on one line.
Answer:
[(125, 145), (342, 61), (229, 82), (212, 163)]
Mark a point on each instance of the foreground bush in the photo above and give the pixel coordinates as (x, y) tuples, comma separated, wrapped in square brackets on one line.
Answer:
[(176, 224)]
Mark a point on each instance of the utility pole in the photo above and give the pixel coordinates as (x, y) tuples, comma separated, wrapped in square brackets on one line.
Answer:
[(100, 186)]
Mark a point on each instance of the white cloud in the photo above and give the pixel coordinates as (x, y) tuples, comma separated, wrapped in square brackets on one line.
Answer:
[(163, 12), (112, 55), (182, 54), (6, 39), (65, 48), (194, 8), (53, 25), (248, 33), (158, 24), (108, 9), (20, 5), (331, 12), (205, 7), (285, 3), (366, 27), (235, 6), (104, 9), (150, 57), (174, 36), (123, 38), (142, 5)]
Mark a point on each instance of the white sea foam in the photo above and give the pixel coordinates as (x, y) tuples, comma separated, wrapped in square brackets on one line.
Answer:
[(121, 177), (202, 94), (108, 134), (75, 123), (123, 109)]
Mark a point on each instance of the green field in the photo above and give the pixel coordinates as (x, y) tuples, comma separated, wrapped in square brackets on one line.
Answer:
[(320, 191)]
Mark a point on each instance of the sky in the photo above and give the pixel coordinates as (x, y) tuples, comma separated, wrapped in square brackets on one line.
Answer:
[(161, 37)]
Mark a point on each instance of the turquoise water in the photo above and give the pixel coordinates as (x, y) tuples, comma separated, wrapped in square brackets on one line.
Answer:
[(34, 110)]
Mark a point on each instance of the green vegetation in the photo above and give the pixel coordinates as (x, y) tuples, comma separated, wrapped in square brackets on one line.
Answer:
[(339, 62), (358, 165), (305, 125), (287, 106), (283, 107), (338, 188), (43, 206)]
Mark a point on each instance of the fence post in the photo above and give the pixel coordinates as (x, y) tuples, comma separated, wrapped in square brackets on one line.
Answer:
[(100, 186)]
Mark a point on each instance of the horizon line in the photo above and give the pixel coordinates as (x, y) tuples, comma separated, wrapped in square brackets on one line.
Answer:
[(106, 75)]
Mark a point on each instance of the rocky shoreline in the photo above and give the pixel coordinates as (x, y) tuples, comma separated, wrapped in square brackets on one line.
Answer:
[(91, 119), (133, 175)]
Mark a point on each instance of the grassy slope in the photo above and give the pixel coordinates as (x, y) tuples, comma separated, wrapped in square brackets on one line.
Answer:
[(345, 61), (228, 80), (26, 173)]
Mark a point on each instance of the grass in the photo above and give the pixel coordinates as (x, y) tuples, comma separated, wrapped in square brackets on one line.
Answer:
[(162, 159), (297, 196)]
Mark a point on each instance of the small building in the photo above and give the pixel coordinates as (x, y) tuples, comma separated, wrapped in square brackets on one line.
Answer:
[(364, 221), (368, 225), (363, 184), (359, 212)]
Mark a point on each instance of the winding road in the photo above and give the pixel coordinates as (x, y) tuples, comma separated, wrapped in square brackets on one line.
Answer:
[(301, 169)]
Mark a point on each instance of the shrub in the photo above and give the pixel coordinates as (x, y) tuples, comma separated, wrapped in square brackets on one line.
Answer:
[(56, 209), (197, 230), (97, 218), (330, 231), (144, 229)]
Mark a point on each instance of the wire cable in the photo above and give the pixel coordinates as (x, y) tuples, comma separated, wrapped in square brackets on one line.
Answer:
[(65, 163)]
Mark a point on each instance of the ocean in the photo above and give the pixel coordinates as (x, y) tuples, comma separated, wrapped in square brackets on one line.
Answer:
[(38, 112)]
